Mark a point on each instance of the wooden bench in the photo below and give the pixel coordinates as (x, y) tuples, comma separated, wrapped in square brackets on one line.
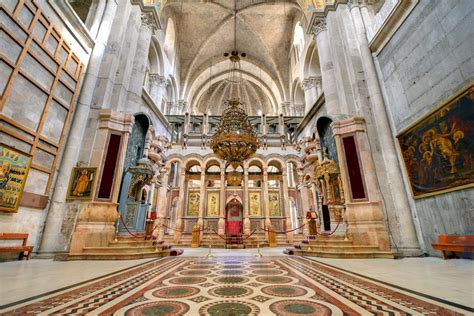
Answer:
[(15, 249), (462, 243)]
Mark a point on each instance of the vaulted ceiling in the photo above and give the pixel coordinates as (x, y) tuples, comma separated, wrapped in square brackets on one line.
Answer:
[(205, 31)]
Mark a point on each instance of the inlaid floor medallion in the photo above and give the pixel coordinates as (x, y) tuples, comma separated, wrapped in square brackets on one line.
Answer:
[(278, 285)]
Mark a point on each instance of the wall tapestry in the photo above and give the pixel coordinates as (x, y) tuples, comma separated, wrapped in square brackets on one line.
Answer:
[(193, 203), (14, 166), (212, 203), (81, 185), (438, 151), (274, 203), (255, 204)]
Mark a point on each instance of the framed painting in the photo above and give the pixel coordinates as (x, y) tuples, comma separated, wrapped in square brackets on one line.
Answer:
[(255, 204), (274, 203), (212, 203), (14, 167), (82, 183), (438, 151), (193, 203)]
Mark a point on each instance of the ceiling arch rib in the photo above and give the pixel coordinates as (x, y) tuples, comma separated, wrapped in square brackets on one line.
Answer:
[(253, 72), (199, 90)]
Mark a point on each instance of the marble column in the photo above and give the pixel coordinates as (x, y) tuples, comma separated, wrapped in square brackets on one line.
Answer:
[(55, 237), (181, 205), (202, 200), (221, 223), (286, 205), (141, 58), (327, 67), (266, 207), (246, 201), (161, 208), (305, 205), (405, 236)]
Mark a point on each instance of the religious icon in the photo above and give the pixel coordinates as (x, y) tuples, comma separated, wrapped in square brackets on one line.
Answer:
[(438, 151), (274, 203), (213, 204), (82, 184), (193, 203), (14, 167), (255, 204)]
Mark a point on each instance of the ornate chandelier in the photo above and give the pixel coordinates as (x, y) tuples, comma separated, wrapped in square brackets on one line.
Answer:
[(235, 139)]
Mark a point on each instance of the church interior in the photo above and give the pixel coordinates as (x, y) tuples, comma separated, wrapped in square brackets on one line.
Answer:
[(236, 157)]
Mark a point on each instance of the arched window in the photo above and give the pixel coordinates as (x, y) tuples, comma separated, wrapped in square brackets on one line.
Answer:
[(90, 12), (170, 40), (298, 40)]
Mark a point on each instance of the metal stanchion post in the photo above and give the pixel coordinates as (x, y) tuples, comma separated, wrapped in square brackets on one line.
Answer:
[(259, 254), (209, 254)]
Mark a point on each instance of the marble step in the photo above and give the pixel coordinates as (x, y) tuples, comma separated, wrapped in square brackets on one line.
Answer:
[(118, 256), (131, 243), (327, 242), (342, 255), (339, 248), (140, 249)]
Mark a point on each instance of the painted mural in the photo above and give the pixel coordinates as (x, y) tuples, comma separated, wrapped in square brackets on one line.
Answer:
[(193, 203), (255, 204), (213, 204), (14, 167), (438, 151), (274, 203), (81, 185)]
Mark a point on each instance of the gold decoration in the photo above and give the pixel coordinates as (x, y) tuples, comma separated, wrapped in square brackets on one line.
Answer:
[(235, 139), (255, 204), (212, 203)]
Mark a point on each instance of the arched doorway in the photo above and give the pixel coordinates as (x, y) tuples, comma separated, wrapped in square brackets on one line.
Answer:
[(233, 217)]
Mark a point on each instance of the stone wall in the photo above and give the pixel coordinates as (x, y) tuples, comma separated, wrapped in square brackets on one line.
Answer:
[(427, 60)]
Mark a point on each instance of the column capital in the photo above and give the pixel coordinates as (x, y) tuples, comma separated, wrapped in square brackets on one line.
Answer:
[(158, 80), (319, 26), (148, 21)]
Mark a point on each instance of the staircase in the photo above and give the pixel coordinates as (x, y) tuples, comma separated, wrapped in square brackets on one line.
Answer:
[(336, 247), (234, 241), (126, 248)]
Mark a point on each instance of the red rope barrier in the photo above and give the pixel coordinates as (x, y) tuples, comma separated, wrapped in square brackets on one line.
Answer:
[(286, 231), (329, 234), (175, 229), (218, 234), (126, 228), (250, 234)]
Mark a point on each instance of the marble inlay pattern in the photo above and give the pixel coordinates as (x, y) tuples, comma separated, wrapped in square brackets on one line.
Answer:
[(277, 285)]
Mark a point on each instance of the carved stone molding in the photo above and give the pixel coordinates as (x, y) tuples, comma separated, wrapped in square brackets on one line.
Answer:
[(158, 80), (148, 21), (319, 26)]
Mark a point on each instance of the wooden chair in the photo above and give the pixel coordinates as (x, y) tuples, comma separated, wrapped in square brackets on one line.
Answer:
[(17, 249)]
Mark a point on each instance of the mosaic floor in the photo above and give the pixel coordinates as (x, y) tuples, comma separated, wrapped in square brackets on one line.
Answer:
[(278, 285)]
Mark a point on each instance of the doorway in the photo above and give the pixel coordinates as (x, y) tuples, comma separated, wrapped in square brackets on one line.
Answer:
[(326, 218), (233, 219)]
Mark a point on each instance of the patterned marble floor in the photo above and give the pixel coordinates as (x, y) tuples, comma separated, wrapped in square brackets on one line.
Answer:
[(276, 285)]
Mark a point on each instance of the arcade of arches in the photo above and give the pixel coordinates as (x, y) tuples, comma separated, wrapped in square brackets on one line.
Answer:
[(363, 110)]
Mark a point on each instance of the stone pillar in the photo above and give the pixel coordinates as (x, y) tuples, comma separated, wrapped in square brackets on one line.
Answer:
[(246, 201), (157, 88), (327, 67), (202, 200), (304, 204), (307, 86), (182, 107), (266, 207), (141, 58), (56, 237), (181, 205), (286, 205), (162, 205), (221, 223), (405, 236)]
